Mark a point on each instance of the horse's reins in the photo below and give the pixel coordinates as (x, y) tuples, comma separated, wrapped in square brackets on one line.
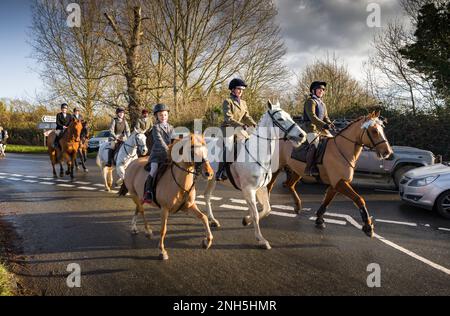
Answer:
[(186, 193), (275, 124), (360, 144)]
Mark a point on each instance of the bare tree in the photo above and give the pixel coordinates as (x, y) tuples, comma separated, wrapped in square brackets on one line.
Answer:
[(72, 59), (343, 91)]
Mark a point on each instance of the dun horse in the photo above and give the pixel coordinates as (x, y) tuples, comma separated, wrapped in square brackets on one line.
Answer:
[(67, 149), (175, 190), (339, 161)]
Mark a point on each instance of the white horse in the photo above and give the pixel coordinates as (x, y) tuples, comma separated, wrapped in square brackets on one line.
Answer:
[(128, 152), (2, 150), (252, 176)]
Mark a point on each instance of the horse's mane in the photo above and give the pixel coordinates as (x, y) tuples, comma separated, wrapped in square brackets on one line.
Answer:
[(350, 124), (191, 137)]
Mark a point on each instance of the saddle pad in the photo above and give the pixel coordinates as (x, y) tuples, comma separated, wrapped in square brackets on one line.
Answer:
[(299, 154)]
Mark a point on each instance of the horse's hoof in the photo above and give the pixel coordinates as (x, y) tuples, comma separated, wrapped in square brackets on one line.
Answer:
[(368, 230), (149, 235), (320, 224), (163, 256), (86, 170), (206, 244), (134, 232), (246, 221), (265, 246), (215, 224), (298, 211)]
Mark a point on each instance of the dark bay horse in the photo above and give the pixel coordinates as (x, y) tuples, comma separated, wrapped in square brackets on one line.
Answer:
[(83, 150), (67, 149)]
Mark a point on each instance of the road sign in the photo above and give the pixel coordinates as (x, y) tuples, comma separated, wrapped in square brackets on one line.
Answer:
[(47, 126), (49, 119)]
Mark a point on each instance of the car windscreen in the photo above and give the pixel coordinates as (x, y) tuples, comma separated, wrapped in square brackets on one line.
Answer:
[(103, 134)]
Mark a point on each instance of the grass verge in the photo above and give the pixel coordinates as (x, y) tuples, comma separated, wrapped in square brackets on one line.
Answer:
[(20, 149), (5, 282)]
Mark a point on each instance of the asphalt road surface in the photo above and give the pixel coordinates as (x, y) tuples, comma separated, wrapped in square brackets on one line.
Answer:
[(59, 222)]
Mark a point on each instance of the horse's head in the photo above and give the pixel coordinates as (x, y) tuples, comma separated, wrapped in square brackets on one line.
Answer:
[(193, 152), (76, 128), (141, 142), (285, 123), (374, 136)]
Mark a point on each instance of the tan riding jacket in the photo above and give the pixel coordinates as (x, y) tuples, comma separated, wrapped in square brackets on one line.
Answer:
[(316, 124), (235, 114)]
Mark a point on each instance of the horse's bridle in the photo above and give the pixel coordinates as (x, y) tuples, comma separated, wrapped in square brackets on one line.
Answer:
[(360, 143), (137, 145)]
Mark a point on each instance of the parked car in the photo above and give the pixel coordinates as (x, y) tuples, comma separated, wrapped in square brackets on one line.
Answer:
[(100, 138), (428, 187)]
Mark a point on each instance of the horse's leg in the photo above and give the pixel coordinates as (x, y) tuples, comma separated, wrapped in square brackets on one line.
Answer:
[(110, 177), (291, 183), (164, 216), (263, 198), (211, 185), (329, 196), (207, 242), (250, 197), (105, 178), (83, 161), (273, 181), (346, 189)]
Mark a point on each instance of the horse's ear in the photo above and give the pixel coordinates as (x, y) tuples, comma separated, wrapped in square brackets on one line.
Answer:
[(377, 113), (269, 105)]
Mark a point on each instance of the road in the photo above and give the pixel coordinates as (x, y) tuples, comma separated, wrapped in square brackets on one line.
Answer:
[(59, 222)]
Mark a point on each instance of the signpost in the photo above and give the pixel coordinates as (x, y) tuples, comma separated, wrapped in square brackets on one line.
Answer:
[(48, 123)]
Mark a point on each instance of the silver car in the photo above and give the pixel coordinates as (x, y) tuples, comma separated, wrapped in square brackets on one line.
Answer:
[(428, 187), (95, 142)]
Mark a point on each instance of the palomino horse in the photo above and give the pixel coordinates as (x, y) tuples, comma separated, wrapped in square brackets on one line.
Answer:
[(176, 188), (253, 175), (82, 151), (67, 149), (128, 152), (339, 163)]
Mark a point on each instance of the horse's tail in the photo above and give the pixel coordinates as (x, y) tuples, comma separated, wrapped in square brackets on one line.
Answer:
[(98, 159), (123, 190)]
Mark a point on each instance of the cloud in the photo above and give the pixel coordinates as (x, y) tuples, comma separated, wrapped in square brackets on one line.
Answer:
[(314, 28)]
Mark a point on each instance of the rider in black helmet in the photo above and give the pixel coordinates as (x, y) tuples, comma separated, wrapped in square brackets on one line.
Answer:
[(63, 120), (235, 115)]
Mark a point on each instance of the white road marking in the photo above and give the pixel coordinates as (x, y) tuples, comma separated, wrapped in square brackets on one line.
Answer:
[(283, 207), (65, 181), (111, 192), (47, 183), (200, 202), (330, 221), (82, 183), (283, 214), (213, 198), (30, 181), (234, 207), (17, 175), (46, 179), (395, 222), (395, 246), (66, 185), (238, 201), (14, 179), (444, 229), (31, 177), (99, 185), (2, 177), (87, 188)]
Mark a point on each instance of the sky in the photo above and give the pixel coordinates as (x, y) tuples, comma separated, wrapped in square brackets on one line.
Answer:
[(311, 30)]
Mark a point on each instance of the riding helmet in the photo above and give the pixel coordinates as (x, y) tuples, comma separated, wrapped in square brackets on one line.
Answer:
[(120, 110), (160, 108), (316, 85), (64, 106), (237, 83), (76, 110)]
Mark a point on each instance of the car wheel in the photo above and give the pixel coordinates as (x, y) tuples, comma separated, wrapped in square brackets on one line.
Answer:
[(443, 204), (398, 174)]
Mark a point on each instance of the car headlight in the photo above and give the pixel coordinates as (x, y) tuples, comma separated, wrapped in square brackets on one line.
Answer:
[(423, 181)]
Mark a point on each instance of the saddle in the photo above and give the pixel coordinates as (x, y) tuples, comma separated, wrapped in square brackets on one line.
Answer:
[(300, 153), (162, 167), (116, 152)]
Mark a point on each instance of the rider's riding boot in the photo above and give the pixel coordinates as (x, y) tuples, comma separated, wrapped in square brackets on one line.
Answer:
[(221, 176), (110, 158), (55, 143), (148, 190), (311, 169)]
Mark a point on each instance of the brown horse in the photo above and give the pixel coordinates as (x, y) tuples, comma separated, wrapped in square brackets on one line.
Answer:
[(339, 163), (67, 149), (83, 150), (176, 188)]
